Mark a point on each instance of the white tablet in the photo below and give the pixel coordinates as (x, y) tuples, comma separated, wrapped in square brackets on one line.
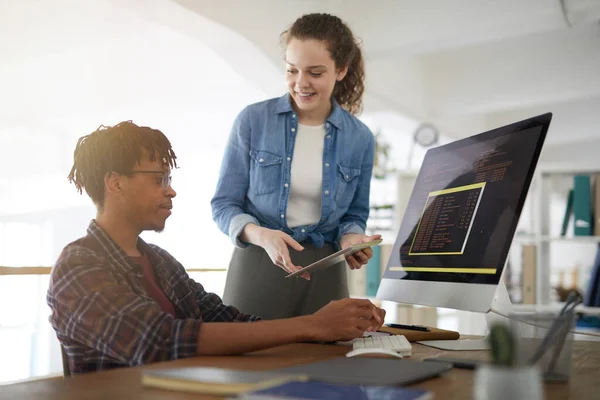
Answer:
[(334, 258)]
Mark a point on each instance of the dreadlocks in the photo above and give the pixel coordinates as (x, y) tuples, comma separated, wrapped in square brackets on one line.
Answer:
[(115, 149)]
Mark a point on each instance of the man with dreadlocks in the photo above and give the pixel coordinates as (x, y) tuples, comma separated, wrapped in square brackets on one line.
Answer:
[(117, 301)]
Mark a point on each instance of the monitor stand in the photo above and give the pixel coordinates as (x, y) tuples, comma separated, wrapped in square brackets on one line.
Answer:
[(499, 311)]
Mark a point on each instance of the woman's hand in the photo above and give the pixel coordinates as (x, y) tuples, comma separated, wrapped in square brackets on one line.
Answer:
[(361, 257), (276, 245)]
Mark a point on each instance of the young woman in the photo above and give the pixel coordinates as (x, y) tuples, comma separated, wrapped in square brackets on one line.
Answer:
[(294, 182)]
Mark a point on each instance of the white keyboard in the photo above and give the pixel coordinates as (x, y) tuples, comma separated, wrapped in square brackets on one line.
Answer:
[(398, 343)]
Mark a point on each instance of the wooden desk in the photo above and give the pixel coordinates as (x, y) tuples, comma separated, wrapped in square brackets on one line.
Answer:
[(124, 383)]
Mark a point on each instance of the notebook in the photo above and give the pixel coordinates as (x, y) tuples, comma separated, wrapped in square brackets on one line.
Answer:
[(215, 380), (320, 390)]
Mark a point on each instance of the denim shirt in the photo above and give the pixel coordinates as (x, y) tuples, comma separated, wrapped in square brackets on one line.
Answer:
[(253, 185)]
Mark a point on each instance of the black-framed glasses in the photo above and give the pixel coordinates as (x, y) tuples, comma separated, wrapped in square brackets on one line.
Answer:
[(166, 176)]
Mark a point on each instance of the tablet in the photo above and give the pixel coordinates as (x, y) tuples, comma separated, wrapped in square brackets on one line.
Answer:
[(334, 258)]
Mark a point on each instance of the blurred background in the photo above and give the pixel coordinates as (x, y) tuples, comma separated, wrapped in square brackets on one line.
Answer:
[(437, 71)]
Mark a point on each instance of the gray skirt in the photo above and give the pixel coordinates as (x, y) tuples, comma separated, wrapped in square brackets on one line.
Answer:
[(256, 286)]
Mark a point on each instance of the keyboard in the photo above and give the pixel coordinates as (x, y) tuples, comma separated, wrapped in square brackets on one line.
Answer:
[(398, 343)]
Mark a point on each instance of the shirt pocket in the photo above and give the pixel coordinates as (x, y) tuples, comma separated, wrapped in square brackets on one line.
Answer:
[(346, 185), (265, 172)]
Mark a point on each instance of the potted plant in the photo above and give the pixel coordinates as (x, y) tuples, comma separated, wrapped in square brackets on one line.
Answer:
[(503, 378)]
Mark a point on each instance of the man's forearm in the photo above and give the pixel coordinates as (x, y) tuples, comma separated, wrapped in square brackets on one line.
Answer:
[(225, 338)]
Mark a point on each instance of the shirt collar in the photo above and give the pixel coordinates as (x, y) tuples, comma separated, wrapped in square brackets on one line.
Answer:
[(115, 253), (336, 118)]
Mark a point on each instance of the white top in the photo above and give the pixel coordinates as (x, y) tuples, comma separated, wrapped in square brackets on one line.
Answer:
[(304, 203)]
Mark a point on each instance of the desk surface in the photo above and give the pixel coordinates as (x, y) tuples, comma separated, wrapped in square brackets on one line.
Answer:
[(124, 383)]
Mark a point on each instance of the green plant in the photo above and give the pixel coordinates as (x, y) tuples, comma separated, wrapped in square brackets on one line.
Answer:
[(502, 345)]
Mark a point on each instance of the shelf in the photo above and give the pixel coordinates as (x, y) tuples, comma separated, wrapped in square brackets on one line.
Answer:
[(568, 169), (545, 239), (572, 239), (525, 238), (554, 307)]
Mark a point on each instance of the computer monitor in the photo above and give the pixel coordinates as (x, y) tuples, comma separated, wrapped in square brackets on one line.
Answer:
[(461, 217)]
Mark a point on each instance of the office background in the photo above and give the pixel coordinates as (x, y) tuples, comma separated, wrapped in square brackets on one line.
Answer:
[(188, 67)]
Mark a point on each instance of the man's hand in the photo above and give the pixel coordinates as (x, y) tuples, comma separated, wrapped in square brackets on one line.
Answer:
[(276, 245), (345, 319), (361, 257), (377, 319)]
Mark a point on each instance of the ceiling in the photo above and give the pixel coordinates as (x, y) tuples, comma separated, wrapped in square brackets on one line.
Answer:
[(463, 65)]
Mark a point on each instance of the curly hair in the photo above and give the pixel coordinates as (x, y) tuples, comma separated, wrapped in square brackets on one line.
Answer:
[(115, 149), (344, 50)]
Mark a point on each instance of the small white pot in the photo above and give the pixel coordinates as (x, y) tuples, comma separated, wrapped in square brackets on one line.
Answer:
[(500, 383)]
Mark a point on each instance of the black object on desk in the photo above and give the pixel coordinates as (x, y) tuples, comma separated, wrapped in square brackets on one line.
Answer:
[(458, 362), (409, 327)]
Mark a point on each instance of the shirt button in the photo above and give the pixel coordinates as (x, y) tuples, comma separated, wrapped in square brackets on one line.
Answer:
[(286, 185), (326, 165), (288, 158), (282, 216), (303, 230), (327, 192), (293, 115), (293, 129), (328, 136), (347, 177), (261, 160)]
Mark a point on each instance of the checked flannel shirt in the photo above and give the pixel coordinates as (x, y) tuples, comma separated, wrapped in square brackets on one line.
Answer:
[(104, 318)]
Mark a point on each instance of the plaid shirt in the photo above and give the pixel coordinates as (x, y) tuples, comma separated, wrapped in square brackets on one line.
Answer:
[(104, 318)]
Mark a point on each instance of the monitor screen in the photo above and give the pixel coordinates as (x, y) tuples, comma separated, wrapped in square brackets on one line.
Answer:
[(465, 206)]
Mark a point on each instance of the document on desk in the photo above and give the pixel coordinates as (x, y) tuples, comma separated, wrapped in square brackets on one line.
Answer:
[(334, 258)]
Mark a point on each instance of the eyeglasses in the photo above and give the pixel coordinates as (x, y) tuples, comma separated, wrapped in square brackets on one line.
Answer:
[(166, 176)]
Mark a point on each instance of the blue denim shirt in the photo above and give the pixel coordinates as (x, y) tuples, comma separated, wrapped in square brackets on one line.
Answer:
[(257, 165)]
